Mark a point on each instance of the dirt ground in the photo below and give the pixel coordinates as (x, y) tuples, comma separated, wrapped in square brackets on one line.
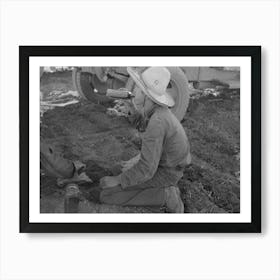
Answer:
[(83, 131)]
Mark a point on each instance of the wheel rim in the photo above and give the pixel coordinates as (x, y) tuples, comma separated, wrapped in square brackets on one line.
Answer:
[(91, 88)]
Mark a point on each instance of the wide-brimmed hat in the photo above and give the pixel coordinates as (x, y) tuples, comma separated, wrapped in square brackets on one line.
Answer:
[(153, 82)]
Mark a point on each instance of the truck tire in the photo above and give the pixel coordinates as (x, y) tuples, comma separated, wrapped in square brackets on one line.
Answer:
[(83, 83), (53, 163), (179, 90)]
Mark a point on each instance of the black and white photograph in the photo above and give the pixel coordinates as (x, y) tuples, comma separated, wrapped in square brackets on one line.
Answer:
[(140, 139), (154, 136)]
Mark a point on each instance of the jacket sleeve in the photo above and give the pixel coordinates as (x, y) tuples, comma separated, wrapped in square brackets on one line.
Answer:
[(151, 150)]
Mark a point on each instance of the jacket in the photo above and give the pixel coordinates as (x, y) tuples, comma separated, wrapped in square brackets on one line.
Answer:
[(164, 145)]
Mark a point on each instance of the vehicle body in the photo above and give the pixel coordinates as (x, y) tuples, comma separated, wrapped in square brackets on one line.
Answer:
[(92, 83)]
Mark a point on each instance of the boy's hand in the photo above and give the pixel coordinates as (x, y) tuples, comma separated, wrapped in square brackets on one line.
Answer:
[(130, 163)]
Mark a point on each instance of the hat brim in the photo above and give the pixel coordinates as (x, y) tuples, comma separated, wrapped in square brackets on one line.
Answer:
[(164, 100)]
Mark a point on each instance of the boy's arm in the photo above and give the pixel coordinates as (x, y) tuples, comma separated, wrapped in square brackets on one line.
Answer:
[(151, 150)]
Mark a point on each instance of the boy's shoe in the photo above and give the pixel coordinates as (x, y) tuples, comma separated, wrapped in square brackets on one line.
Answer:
[(173, 200), (76, 178)]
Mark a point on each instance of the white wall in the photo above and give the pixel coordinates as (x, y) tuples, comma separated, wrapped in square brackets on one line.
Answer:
[(138, 256)]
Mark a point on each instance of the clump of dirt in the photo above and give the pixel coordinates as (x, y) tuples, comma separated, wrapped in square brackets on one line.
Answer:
[(84, 132), (212, 125)]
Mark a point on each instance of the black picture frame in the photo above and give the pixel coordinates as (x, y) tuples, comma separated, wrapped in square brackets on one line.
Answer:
[(25, 52)]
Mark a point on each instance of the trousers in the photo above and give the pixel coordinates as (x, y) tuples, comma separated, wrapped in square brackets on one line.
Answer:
[(149, 193)]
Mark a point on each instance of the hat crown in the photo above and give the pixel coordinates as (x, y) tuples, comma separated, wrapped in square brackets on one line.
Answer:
[(156, 79), (154, 82)]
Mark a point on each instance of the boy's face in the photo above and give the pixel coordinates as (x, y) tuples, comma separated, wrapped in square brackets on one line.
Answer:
[(139, 100)]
